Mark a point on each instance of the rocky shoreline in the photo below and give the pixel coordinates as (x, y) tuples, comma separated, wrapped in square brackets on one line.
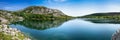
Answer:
[(7, 33), (116, 35)]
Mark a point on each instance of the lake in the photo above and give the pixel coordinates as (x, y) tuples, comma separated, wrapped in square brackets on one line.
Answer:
[(75, 29)]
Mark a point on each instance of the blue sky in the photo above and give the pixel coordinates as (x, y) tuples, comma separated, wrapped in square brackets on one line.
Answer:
[(69, 7)]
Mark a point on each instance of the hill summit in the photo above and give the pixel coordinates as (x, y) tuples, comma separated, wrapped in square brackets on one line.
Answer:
[(41, 13), (43, 10)]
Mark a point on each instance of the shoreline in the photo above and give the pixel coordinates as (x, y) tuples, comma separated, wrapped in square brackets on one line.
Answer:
[(116, 35), (8, 33)]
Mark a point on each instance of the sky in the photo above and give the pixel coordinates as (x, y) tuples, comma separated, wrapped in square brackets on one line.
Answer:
[(69, 7)]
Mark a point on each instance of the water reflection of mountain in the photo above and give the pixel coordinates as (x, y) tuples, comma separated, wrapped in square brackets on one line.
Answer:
[(41, 25), (110, 21)]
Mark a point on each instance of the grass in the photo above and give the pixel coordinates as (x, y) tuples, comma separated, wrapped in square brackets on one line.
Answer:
[(5, 37)]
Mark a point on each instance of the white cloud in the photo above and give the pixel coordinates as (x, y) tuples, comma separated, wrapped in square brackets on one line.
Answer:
[(60, 0), (113, 8), (54, 1), (14, 7)]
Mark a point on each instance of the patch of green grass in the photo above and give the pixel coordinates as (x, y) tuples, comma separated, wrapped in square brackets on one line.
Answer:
[(21, 36), (5, 37)]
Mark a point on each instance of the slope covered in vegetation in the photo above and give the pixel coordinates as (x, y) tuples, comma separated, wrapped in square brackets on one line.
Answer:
[(41, 13), (110, 15)]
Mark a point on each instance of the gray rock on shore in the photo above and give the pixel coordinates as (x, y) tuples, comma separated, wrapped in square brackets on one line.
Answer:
[(12, 33), (116, 35), (3, 21)]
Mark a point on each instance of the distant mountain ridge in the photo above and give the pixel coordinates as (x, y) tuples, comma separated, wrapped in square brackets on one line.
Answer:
[(103, 14), (110, 17)]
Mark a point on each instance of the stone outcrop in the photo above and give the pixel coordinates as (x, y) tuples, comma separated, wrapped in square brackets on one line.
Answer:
[(7, 33), (12, 33), (3, 21), (116, 35), (7, 17)]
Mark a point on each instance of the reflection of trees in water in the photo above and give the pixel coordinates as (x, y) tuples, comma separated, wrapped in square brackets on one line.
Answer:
[(41, 25), (111, 21)]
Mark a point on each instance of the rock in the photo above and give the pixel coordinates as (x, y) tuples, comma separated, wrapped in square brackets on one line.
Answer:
[(7, 16), (20, 18), (116, 35), (3, 21), (12, 32)]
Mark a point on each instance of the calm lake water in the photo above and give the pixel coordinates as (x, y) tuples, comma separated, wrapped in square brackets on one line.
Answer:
[(75, 29)]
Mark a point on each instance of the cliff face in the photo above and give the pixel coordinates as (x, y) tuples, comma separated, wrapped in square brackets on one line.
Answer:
[(43, 10)]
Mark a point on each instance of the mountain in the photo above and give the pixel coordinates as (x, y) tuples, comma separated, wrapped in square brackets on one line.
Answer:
[(43, 10), (105, 14), (41, 13), (32, 13), (110, 17)]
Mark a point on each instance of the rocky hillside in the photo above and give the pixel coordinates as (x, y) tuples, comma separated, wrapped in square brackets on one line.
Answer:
[(7, 16), (7, 33), (116, 35), (32, 13), (41, 13), (43, 10)]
